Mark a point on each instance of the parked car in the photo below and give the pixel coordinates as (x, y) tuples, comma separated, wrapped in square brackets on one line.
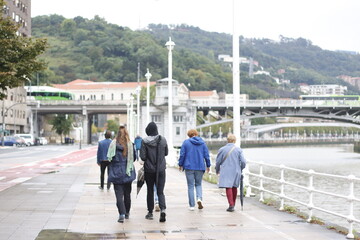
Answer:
[(42, 140), (13, 141), (29, 138)]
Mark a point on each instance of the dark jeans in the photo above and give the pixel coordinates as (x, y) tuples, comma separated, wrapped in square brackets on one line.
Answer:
[(150, 179), (103, 166), (123, 197)]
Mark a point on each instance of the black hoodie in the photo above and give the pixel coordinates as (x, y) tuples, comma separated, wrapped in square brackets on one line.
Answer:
[(154, 163)]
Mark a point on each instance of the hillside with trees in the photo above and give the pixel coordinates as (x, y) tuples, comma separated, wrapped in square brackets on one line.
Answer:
[(93, 49)]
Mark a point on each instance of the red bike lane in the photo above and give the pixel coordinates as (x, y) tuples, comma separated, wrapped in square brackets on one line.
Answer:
[(18, 174)]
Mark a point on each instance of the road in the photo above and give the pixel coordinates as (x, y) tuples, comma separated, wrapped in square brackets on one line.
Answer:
[(18, 165)]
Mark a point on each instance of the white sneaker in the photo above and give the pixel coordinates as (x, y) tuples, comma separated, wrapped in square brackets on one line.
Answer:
[(199, 202), (191, 208), (157, 208)]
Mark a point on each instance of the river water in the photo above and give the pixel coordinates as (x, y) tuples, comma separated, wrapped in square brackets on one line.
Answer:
[(332, 159)]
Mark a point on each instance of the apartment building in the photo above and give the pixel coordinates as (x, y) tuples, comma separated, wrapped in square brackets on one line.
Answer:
[(13, 110), (20, 12)]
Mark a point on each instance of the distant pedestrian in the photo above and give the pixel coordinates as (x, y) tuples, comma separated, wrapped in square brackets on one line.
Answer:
[(102, 160), (122, 171), (153, 151), (137, 143), (194, 159), (230, 162)]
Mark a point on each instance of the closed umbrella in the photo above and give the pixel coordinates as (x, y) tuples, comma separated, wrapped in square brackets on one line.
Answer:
[(140, 180)]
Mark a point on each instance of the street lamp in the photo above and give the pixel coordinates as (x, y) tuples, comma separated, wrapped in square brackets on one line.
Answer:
[(131, 130), (148, 76), (170, 46), (236, 75), (128, 115), (138, 89)]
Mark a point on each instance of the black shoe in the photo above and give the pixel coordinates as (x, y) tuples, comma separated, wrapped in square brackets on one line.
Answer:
[(162, 217), (121, 218), (231, 209), (127, 215), (149, 216), (101, 188)]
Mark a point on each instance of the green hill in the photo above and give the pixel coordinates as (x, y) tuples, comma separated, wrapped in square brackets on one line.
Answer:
[(96, 50)]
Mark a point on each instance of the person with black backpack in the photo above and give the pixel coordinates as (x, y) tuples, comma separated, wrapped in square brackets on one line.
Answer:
[(153, 151)]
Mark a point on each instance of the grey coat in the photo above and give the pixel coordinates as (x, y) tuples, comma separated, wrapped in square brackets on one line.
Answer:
[(230, 169)]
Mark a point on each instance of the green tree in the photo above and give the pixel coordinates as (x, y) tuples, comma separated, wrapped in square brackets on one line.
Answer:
[(18, 59), (62, 124)]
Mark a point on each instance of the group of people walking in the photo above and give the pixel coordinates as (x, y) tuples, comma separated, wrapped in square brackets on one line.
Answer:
[(119, 156)]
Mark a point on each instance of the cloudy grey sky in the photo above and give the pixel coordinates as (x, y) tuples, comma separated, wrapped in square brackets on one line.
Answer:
[(330, 24)]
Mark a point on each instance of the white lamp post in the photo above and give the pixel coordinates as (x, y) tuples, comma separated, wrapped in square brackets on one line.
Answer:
[(138, 89), (236, 75), (128, 116), (170, 46), (131, 127), (148, 76)]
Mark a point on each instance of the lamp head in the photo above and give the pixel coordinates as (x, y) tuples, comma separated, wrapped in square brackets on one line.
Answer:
[(170, 44)]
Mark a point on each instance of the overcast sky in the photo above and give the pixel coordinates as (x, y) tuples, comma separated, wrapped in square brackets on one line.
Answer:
[(330, 24)]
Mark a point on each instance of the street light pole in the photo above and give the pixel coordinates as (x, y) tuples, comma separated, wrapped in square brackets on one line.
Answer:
[(128, 116), (138, 89), (148, 76), (170, 46), (3, 123), (131, 117), (236, 75)]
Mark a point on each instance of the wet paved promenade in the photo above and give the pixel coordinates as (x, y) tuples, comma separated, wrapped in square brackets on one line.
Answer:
[(68, 205)]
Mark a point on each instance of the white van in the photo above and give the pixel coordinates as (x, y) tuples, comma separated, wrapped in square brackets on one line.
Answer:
[(29, 138)]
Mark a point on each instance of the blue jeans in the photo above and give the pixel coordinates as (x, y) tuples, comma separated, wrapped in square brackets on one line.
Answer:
[(194, 179)]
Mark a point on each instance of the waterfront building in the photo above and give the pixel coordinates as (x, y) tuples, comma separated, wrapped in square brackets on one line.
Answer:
[(202, 97), (184, 111), (104, 91)]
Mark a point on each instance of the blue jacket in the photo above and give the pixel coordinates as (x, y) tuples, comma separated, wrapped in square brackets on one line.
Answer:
[(137, 142), (103, 147), (194, 154), (117, 167)]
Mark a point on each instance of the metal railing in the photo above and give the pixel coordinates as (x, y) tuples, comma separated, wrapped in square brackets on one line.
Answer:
[(282, 182)]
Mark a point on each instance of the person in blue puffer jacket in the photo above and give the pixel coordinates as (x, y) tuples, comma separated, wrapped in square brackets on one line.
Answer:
[(194, 159)]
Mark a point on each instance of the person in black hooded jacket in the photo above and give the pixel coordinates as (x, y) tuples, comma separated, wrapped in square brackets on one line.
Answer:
[(153, 151)]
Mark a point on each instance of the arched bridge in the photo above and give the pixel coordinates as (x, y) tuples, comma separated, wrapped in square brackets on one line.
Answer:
[(345, 111)]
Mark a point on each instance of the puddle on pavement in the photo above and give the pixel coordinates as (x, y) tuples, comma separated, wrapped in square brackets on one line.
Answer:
[(50, 172), (59, 234)]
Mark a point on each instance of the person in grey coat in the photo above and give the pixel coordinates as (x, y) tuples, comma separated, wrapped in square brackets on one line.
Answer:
[(230, 162)]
